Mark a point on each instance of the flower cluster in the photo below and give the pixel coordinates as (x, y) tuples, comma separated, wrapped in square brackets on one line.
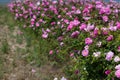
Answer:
[(86, 31)]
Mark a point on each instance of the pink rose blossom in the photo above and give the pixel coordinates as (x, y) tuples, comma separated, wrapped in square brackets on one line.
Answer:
[(33, 70), (88, 41), (83, 26), (113, 28), (89, 27), (107, 72), (75, 34), (117, 73), (71, 54), (86, 47), (78, 11), (75, 22), (118, 25), (105, 18), (45, 35), (118, 48), (110, 38), (117, 66), (85, 52), (109, 55), (95, 31), (51, 52), (37, 24), (105, 31), (69, 27), (60, 38), (48, 30)]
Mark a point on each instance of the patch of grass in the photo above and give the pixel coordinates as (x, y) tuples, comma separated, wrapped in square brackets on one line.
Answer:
[(37, 52), (6, 18), (5, 47), (1, 67), (19, 39)]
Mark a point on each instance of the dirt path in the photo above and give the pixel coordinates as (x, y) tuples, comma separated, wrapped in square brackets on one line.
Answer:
[(15, 66)]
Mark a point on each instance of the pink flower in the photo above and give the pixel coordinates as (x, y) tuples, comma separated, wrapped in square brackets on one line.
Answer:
[(66, 21), (37, 24), (72, 24), (118, 25), (113, 28), (83, 26), (85, 52), (75, 34), (53, 23), (75, 22), (33, 70), (76, 71), (110, 38), (48, 30), (107, 72), (86, 47), (71, 54), (89, 27), (105, 31), (69, 27), (60, 38), (105, 10), (45, 35), (95, 31), (51, 52), (86, 18), (78, 11), (93, 35), (59, 16), (118, 48), (117, 67), (117, 73), (34, 17), (109, 55), (105, 18), (86, 11), (88, 41), (32, 21)]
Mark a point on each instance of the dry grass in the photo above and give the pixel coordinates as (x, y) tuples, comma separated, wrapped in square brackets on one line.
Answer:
[(18, 55)]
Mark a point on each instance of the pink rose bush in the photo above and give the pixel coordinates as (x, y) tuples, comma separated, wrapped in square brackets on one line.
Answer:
[(86, 34)]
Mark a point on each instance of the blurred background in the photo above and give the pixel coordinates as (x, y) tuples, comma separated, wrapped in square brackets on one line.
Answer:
[(7, 1)]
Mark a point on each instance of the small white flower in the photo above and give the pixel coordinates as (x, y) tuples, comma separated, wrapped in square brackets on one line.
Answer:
[(55, 78), (99, 44), (117, 66), (62, 43), (33, 70), (63, 78), (96, 54), (84, 68), (117, 59), (38, 3), (58, 22)]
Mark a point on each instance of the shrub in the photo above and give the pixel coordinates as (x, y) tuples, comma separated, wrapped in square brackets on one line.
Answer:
[(85, 34)]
